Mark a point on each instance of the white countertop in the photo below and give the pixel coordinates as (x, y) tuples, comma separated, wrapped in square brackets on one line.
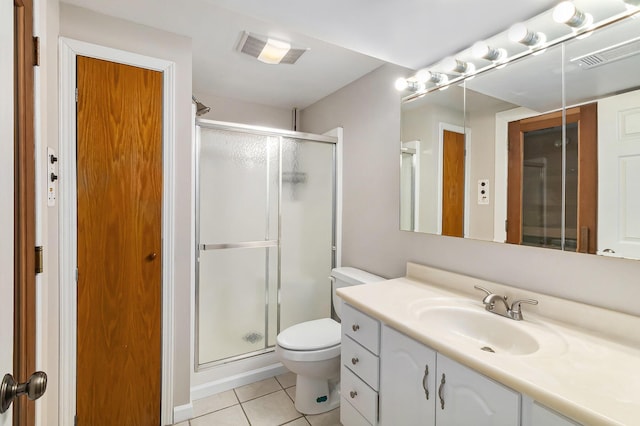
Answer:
[(593, 378)]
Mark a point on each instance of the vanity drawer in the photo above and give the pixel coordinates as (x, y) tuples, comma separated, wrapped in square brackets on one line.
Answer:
[(360, 361), (349, 416), (361, 328), (359, 394)]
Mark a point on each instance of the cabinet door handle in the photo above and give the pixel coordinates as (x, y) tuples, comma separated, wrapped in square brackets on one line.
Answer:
[(425, 385), (440, 390), (354, 360), (355, 327), (353, 394)]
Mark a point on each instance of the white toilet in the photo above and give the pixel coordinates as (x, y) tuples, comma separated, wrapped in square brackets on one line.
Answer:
[(312, 350)]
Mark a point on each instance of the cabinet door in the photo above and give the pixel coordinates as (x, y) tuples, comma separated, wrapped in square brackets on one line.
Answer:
[(407, 381), (535, 414), (466, 397)]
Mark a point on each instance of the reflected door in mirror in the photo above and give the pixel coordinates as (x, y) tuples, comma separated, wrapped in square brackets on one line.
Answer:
[(453, 184), (546, 193)]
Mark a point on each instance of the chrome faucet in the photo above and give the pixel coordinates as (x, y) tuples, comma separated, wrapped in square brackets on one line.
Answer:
[(514, 311)]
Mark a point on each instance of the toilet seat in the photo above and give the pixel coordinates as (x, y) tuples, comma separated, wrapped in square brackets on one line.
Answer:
[(310, 335)]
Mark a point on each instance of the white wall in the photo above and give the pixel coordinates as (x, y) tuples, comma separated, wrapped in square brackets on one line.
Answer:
[(82, 24), (369, 111), (236, 111)]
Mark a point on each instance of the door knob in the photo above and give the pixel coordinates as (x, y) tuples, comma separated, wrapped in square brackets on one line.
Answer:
[(34, 388), (151, 256)]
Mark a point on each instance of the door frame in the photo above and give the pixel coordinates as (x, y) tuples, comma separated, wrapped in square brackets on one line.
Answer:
[(442, 126), (69, 49)]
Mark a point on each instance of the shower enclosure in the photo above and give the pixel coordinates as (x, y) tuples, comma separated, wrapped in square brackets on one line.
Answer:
[(265, 236)]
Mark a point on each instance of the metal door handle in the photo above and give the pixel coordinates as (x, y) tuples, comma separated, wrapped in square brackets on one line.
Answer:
[(424, 381), (34, 388), (355, 327), (440, 390), (354, 360), (353, 394)]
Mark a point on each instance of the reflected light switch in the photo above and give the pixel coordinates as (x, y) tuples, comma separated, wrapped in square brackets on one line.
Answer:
[(483, 191)]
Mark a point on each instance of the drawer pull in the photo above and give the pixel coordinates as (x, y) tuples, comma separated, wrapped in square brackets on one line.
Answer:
[(355, 327), (425, 385), (440, 390), (353, 394), (354, 360)]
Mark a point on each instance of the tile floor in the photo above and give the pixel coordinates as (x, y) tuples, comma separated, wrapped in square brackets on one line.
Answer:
[(265, 403)]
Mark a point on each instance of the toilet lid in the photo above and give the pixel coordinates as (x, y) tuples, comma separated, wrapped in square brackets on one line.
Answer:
[(310, 335)]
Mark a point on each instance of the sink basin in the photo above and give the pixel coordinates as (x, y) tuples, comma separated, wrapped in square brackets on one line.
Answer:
[(484, 330), (466, 323)]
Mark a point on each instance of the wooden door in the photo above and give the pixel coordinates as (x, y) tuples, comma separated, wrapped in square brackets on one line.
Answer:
[(24, 231), (119, 111), (587, 174), (453, 184)]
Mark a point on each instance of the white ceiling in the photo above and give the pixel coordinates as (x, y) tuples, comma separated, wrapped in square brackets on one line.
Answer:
[(347, 38)]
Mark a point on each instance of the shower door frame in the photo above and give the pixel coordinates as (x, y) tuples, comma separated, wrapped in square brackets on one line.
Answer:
[(269, 132)]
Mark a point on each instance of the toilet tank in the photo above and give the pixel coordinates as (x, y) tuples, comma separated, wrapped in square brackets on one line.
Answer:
[(348, 276)]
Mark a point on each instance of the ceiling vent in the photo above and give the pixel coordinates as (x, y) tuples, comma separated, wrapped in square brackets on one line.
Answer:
[(268, 50), (609, 54)]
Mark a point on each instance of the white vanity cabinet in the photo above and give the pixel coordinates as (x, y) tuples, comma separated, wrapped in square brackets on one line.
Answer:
[(407, 381), (359, 370), (421, 387), (534, 414)]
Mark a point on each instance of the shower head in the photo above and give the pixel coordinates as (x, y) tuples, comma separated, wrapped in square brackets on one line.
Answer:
[(201, 108)]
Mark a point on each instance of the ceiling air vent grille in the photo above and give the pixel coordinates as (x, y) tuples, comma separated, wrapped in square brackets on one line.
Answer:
[(252, 45), (609, 54)]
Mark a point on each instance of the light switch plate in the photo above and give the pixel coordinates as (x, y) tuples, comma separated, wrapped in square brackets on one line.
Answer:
[(52, 170), (483, 191)]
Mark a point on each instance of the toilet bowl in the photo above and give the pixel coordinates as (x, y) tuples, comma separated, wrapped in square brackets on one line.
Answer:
[(311, 350)]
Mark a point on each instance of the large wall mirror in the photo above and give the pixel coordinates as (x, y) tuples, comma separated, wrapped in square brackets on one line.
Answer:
[(544, 151)]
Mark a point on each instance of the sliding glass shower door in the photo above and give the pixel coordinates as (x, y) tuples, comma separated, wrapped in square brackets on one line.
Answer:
[(265, 236)]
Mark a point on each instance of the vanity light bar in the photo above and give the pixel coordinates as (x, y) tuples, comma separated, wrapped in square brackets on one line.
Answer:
[(565, 13)]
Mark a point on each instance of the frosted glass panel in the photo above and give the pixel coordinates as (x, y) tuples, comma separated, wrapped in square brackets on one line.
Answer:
[(306, 231), (233, 290), (235, 202)]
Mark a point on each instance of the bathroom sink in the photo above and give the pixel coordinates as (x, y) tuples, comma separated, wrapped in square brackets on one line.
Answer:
[(482, 329), (465, 323)]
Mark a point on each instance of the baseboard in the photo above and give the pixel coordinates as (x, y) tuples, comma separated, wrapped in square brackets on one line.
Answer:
[(212, 388), (182, 413)]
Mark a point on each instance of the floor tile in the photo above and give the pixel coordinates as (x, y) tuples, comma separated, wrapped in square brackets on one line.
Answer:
[(292, 393), (231, 416), (298, 422), (270, 410), (287, 380), (214, 403), (330, 418), (257, 389)]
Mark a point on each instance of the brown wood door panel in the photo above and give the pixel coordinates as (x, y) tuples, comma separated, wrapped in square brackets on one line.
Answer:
[(24, 303), (453, 184), (119, 243)]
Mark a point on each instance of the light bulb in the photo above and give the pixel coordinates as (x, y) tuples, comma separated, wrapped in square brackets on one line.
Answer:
[(423, 75), (563, 12), (482, 50), (567, 13), (519, 33), (401, 84), (452, 64)]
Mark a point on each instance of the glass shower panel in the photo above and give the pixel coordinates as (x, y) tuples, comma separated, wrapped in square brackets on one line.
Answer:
[(542, 188), (235, 198), (307, 235), (233, 288)]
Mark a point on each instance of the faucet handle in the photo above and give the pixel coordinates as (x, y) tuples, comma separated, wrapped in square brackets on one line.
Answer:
[(516, 309), (477, 287)]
